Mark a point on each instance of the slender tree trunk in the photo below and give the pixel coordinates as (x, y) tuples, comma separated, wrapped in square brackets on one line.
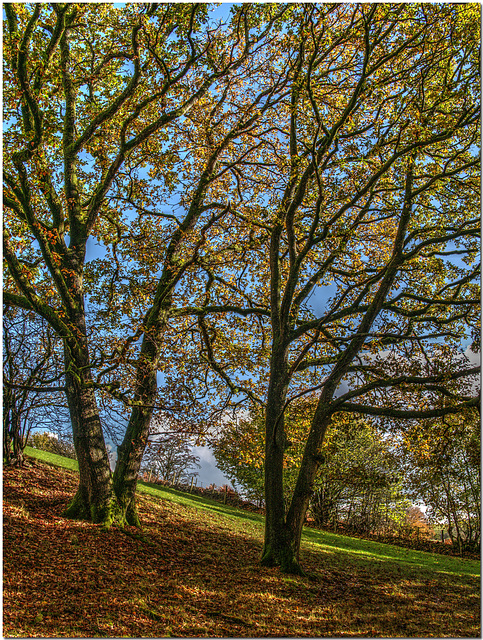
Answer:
[(130, 452), (7, 417), (18, 443), (7, 438), (304, 486)]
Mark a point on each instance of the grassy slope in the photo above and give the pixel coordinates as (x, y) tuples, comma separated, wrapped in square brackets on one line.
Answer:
[(194, 573)]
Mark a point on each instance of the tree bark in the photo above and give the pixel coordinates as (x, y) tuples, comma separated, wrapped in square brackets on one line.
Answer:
[(283, 531), (280, 548), (94, 500), (8, 430), (130, 452), (308, 471)]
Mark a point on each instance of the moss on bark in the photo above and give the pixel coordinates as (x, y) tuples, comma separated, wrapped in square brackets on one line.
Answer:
[(283, 556), (106, 514), (77, 508)]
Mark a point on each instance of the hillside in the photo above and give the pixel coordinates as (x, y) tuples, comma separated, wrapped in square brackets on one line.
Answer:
[(193, 572)]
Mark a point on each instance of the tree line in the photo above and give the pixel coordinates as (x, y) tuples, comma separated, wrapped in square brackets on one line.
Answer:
[(284, 200), (372, 476)]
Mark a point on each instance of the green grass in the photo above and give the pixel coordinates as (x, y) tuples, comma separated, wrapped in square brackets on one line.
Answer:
[(193, 571), (52, 458), (195, 501), (364, 552), (369, 552)]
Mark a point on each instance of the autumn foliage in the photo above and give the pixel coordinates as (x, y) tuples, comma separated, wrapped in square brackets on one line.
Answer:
[(217, 207)]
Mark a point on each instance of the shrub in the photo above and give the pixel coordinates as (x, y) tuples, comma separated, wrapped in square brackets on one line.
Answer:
[(48, 442)]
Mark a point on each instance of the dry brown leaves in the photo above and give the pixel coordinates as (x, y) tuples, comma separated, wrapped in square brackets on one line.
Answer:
[(192, 574)]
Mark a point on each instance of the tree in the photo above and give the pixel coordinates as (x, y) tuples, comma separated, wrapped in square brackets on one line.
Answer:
[(443, 470), (347, 170), (169, 455), (238, 451), (372, 206), (418, 521), (93, 95), (32, 380), (358, 483), (49, 442)]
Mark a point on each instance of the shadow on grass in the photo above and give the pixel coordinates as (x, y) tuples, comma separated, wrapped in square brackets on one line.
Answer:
[(199, 576), (357, 550), (363, 552)]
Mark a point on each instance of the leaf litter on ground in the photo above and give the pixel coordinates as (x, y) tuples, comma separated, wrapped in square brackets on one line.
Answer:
[(193, 572)]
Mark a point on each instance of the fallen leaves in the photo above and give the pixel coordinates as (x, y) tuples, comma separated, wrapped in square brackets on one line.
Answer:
[(193, 573)]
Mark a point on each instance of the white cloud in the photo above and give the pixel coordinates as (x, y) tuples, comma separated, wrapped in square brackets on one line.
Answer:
[(208, 472), (474, 358)]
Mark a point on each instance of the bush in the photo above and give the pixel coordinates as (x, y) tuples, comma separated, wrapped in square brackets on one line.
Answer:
[(48, 442)]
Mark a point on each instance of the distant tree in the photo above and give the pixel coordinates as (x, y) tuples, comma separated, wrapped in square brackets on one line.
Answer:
[(170, 456), (358, 482), (418, 522), (443, 470), (47, 441), (33, 393), (238, 451)]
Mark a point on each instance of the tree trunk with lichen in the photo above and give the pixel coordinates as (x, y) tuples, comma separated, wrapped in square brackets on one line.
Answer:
[(95, 500), (280, 545)]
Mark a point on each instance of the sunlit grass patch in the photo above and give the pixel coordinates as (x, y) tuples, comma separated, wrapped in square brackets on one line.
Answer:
[(194, 572), (371, 552), (52, 458)]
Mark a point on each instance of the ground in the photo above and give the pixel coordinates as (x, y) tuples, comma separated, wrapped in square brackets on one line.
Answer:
[(194, 572)]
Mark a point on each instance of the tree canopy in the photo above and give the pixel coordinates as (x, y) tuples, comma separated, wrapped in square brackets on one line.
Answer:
[(286, 201), (370, 205), (92, 95)]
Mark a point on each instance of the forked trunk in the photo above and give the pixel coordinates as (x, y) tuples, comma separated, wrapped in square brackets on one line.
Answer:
[(94, 500), (283, 531), (281, 545)]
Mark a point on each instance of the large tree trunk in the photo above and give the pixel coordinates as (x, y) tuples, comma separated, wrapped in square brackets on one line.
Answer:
[(277, 549), (279, 546), (94, 500), (283, 532)]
